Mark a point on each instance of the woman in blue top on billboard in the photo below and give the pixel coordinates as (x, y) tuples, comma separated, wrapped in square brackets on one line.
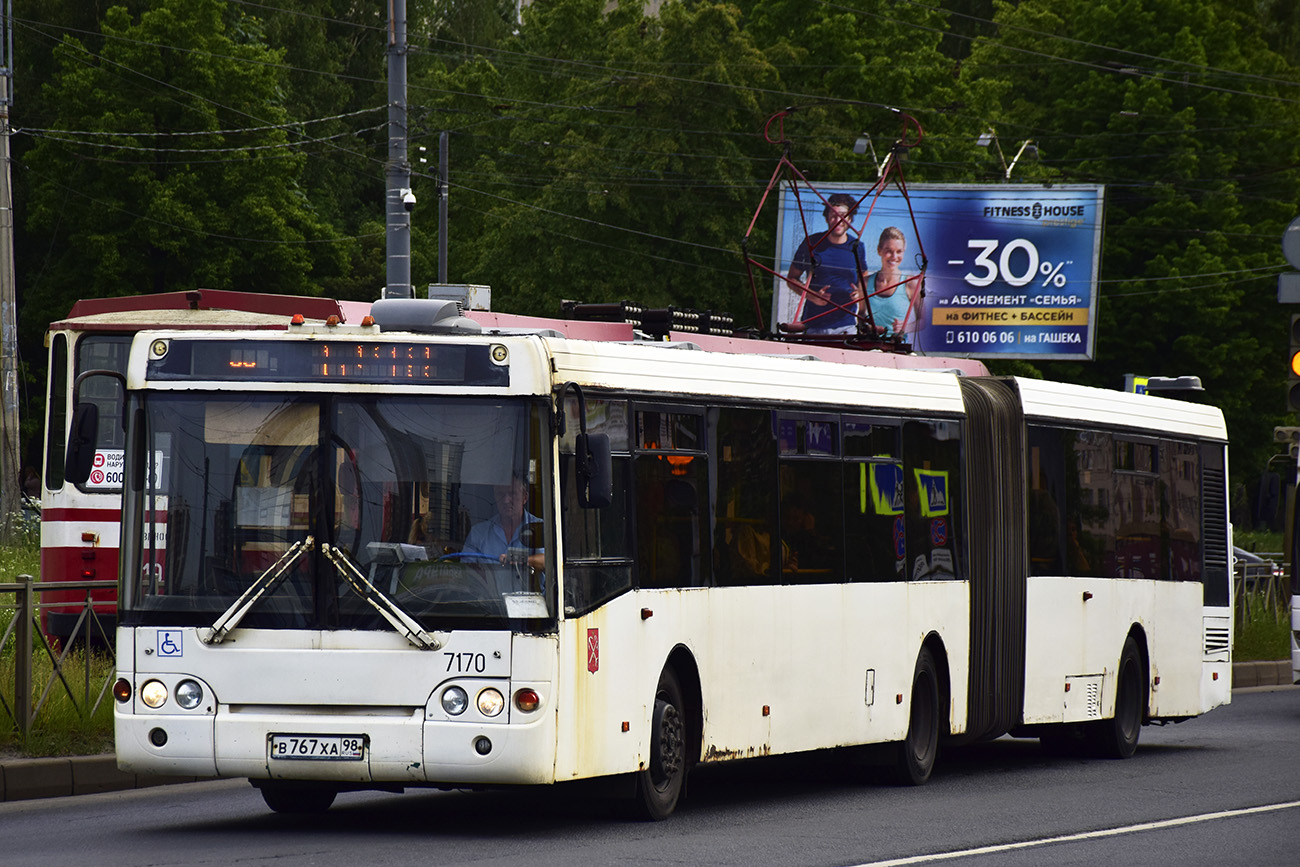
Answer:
[(895, 297), (836, 265)]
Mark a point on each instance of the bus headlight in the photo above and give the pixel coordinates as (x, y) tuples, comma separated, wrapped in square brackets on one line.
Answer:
[(189, 694), (454, 700), (153, 694), (490, 702)]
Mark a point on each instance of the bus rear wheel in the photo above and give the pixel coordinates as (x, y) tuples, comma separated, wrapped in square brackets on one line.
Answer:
[(292, 797), (659, 784), (916, 755), (1117, 738)]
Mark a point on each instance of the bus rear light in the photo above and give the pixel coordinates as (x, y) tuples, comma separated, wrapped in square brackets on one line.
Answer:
[(122, 689), (89, 536), (88, 574), (527, 700)]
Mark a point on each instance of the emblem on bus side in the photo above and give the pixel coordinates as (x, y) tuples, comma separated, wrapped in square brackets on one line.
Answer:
[(593, 649)]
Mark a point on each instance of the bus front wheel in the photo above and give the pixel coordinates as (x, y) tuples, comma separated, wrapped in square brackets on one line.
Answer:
[(916, 755), (659, 784)]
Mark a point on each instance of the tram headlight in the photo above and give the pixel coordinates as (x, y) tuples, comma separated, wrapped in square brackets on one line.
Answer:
[(153, 694), (189, 694), (491, 702), (454, 700)]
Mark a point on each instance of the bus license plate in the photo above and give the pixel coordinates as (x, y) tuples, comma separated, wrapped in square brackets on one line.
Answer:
[(344, 748)]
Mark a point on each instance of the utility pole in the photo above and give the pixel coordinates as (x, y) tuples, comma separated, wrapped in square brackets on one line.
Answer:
[(442, 207), (400, 199), (10, 492)]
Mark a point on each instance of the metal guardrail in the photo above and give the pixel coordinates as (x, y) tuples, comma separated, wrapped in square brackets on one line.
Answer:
[(25, 629), (1263, 585)]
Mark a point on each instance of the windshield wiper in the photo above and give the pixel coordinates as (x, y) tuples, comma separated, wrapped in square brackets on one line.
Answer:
[(387, 608), (265, 583)]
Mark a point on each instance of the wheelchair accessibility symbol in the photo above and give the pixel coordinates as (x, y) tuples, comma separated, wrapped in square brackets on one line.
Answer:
[(169, 643)]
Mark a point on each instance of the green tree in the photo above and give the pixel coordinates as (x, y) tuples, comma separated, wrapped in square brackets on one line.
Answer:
[(1189, 118), (172, 167)]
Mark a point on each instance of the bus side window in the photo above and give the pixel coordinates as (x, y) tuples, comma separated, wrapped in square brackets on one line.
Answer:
[(597, 546), (672, 535), (746, 501), (597, 559), (931, 475)]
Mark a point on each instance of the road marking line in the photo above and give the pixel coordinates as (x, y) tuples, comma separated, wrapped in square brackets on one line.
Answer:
[(1086, 835)]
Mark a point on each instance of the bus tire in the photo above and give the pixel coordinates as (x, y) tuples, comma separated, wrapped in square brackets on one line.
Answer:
[(659, 784), (915, 755), (297, 798), (1117, 737)]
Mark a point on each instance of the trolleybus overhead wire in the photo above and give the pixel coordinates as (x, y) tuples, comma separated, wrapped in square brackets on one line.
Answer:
[(868, 334)]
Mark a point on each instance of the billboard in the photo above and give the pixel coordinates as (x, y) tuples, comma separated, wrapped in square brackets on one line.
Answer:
[(1011, 268)]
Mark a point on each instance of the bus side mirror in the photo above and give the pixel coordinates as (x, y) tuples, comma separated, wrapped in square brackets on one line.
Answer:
[(595, 471), (81, 443)]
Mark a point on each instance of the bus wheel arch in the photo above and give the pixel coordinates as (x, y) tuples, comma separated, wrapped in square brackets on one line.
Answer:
[(1117, 737), (674, 728)]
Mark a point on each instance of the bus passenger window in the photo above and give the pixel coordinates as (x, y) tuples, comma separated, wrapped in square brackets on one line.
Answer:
[(745, 523)]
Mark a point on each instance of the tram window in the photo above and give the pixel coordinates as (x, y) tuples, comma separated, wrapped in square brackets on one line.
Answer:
[(104, 352), (56, 431), (745, 523)]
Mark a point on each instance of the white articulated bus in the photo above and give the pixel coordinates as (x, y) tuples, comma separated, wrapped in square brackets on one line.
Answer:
[(428, 552)]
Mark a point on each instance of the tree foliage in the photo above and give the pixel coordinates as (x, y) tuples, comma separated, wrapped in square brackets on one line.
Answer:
[(598, 152)]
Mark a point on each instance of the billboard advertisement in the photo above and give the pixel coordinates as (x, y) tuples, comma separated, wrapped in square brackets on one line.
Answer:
[(1010, 269)]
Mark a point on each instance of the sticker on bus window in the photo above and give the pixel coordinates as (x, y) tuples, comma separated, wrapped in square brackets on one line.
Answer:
[(933, 485), (887, 488), (107, 467)]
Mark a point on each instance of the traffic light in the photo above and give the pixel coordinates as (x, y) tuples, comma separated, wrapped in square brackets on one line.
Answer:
[(1293, 366), (1290, 437)]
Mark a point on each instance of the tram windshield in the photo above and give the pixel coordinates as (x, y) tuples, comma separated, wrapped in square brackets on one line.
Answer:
[(436, 503)]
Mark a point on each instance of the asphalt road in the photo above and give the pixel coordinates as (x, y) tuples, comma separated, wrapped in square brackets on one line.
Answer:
[(1220, 790)]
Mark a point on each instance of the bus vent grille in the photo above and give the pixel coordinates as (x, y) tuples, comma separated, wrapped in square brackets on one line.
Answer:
[(1094, 699), (1216, 640)]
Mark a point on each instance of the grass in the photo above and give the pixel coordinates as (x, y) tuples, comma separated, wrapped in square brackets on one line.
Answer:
[(1263, 631), (61, 727)]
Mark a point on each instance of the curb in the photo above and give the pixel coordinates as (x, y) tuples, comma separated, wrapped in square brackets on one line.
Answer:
[(25, 779), (1246, 674)]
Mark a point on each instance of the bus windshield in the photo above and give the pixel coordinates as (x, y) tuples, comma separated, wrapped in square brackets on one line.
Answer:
[(439, 504)]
